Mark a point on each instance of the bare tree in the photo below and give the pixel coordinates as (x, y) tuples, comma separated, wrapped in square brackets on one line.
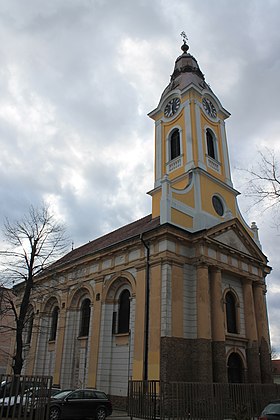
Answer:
[(33, 243), (274, 353), (264, 181)]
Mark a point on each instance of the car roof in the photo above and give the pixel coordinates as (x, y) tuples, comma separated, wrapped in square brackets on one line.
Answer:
[(87, 389)]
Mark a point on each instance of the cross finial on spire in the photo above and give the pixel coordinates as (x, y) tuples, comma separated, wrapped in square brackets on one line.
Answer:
[(184, 36), (185, 46)]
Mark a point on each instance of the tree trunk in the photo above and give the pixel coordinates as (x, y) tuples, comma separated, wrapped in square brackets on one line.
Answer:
[(18, 359)]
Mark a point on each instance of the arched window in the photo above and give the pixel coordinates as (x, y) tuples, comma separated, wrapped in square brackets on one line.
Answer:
[(231, 313), (85, 318), (211, 147), (124, 312), (29, 327), (54, 321), (235, 369), (175, 144)]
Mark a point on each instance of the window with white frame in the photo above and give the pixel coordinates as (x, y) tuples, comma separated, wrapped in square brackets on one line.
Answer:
[(175, 144), (54, 321), (231, 313), (85, 318), (211, 144), (174, 159), (121, 316), (124, 312)]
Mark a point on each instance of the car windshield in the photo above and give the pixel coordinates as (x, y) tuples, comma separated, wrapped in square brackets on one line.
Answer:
[(61, 394), (55, 391), (273, 408), (101, 395)]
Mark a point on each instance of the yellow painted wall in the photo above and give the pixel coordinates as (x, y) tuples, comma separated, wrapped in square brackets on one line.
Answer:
[(208, 189), (203, 303), (154, 324), (187, 198), (137, 373), (177, 301), (181, 183), (181, 219), (156, 203)]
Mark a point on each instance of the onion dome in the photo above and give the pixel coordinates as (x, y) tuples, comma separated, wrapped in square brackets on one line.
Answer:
[(186, 72)]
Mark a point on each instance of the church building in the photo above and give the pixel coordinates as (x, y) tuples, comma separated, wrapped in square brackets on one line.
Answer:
[(179, 295)]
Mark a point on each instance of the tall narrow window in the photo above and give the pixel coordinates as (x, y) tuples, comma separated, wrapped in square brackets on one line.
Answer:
[(210, 144), (231, 313), (85, 318), (54, 321), (124, 312), (175, 144), (235, 368)]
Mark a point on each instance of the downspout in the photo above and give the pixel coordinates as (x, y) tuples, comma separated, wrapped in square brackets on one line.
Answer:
[(147, 310)]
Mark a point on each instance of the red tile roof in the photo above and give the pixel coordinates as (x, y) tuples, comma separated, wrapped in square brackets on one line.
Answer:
[(276, 366), (122, 234)]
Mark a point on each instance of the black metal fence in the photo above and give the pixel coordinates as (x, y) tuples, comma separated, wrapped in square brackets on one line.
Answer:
[(184, 400), (24, 397)]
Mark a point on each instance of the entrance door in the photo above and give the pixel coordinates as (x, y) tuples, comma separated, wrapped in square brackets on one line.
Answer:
[(235, 369)]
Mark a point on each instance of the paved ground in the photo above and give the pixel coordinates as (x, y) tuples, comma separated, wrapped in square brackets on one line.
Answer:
[(118, 414)]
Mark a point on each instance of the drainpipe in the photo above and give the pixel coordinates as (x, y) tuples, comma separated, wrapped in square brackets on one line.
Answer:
[(147, 309)]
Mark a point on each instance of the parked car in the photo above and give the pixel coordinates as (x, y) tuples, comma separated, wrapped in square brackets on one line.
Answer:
[(26, 400), (11, 405), (80, 404), (55, 391), (271, 411), (12, 397), (61, 394)]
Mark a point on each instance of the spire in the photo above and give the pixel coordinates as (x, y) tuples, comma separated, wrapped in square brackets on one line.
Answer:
[(186, 71)]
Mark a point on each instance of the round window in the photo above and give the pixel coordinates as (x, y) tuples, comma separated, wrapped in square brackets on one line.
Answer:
[(218, 205)]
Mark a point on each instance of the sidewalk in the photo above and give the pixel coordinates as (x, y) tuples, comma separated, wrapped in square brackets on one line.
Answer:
[(119, 415)]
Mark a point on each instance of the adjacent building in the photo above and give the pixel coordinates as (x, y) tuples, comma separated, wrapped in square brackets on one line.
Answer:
[(178, 295), (7, 328), (276, 370)]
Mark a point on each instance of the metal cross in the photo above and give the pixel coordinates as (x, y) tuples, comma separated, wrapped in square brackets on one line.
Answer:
[(184, 36)]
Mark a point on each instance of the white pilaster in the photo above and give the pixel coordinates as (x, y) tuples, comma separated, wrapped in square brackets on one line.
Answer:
[(158, 156), (165, 202), (225, 153), (189, 143), (201, 163)]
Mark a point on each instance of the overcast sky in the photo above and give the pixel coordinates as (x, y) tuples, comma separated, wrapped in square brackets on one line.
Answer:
[(77, 79)]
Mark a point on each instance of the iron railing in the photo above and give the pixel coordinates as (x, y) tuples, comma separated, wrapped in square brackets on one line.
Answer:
[(184, 400), (24, 397)]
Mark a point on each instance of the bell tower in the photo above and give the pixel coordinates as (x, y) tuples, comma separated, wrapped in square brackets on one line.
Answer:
[(193, 187)]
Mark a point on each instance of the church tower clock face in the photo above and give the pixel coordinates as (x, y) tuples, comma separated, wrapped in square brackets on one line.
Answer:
[(209, 107), (172, 107)]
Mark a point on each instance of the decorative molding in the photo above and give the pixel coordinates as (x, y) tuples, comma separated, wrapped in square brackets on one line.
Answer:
[(188, 125), (174, 164), (158, 157), (201, 163), (213, 164)]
